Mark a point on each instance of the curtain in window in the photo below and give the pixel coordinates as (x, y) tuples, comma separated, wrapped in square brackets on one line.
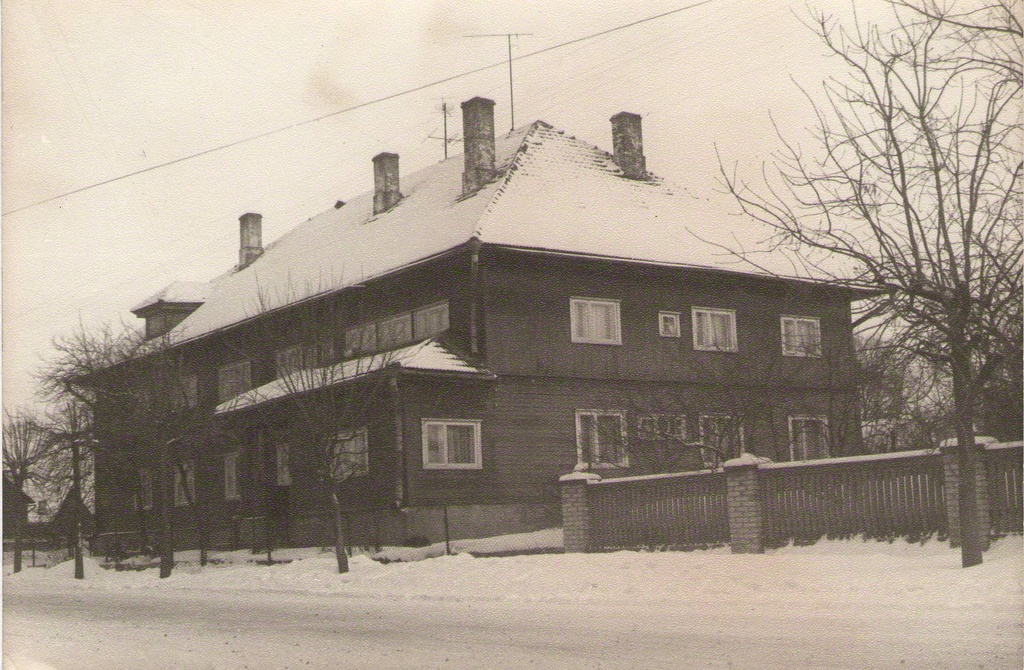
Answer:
[(435, 443), (714, 330)]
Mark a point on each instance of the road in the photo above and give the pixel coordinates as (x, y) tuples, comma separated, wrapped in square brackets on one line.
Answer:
[(77, 629)]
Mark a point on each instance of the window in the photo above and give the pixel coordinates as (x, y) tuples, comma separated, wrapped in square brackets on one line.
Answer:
[(721, 434), (801, 336), (361, 339), (662, 427), (351, 457), (289, 360), (668, 324), (145, 489), (186, 395), (395, 331), (808, 437), (595, 321), (184, 489), (233, 380), (284, 475), (231, 476), (430, 320), (714, 329), (601, 438), (451, 444)]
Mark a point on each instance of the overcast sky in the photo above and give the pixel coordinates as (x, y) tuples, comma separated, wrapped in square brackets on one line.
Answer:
[(97, 89)]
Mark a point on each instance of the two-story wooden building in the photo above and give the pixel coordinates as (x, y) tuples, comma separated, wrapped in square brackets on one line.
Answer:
[(535, 306)]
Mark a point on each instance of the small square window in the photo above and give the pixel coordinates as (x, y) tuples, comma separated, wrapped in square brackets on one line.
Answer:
[(662, 427), (430, 320), (594, 321), (668, 324), (714, 329), (801, 336), (449, 444)]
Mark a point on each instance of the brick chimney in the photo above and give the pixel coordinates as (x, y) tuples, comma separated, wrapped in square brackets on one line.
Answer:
[(250, 229), (628, 143), (385, 182), (478, 139)]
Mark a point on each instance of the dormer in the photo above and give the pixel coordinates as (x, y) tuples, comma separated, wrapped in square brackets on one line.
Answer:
[(169, 307)]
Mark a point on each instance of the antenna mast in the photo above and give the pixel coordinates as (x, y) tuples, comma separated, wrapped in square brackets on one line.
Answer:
[(511, 93)]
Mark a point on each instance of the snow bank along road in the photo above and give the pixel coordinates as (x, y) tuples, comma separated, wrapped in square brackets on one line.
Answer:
[(835, 605)]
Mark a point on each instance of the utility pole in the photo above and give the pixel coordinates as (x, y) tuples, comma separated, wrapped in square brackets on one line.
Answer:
[(511, 94), (166, 530)]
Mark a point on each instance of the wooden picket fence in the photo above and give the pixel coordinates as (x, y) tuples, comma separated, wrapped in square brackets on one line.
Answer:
[(882, 497), (876, 499), (679, 511)]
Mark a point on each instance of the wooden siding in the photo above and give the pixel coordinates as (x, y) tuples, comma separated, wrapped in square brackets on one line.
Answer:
[(527, 323)]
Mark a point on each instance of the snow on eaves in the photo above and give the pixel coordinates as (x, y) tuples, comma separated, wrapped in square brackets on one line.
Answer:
[(553, 193), (428, 355), (177, 292)]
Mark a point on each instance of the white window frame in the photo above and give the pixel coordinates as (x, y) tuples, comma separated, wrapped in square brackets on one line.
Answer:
[(231, 476), (430, 320), (283, 472), (823, 420), (344, 459), (233, 380), (145, 489), (669, 324), (180, 499), (596, 460), (727, 418), (427, 424), (731, 346), (648, 433), (579, 331), (787, 347)]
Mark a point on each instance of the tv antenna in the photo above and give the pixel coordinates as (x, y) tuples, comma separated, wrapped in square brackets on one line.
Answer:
[(445, 138), (511, 96)]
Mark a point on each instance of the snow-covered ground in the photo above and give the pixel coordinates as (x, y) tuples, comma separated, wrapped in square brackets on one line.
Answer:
[(853, 583)]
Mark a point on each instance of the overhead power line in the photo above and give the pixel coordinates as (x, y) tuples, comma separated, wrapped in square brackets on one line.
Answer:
[(352, 108)]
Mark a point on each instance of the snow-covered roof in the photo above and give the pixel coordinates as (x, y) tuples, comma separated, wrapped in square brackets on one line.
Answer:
[(188, 292), (553, 192), (428, 355)]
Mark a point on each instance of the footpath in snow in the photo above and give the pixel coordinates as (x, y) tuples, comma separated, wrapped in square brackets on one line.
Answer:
[(889, 576)]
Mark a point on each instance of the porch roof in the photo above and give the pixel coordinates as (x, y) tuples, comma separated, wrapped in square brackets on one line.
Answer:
[(426, 356)]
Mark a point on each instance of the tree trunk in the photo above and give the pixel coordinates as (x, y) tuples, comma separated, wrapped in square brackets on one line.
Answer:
[(972, 543), (166, 534), (76, 508), (339, 534), (19, 528)]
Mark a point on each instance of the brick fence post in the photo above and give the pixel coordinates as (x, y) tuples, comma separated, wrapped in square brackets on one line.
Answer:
[(576, 510), (951, 489), (743, 500)]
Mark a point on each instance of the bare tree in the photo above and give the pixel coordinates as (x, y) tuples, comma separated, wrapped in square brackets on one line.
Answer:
[(26, 453), (916, 186), (135, 402), (325, 391)]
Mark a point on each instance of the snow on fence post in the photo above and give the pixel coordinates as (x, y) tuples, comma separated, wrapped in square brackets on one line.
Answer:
[(743, 500), (951, 485), (576, 510)]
